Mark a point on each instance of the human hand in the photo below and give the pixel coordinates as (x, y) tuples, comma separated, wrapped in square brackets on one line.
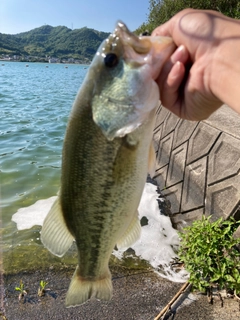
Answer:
[(197, 79)]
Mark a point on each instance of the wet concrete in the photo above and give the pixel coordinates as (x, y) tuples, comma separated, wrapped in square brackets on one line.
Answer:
[(139, 295)]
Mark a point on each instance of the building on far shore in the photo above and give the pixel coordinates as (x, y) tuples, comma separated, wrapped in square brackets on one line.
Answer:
[(54, 60)]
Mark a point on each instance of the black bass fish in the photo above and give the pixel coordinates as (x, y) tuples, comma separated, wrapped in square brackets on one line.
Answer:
[(106, 154)]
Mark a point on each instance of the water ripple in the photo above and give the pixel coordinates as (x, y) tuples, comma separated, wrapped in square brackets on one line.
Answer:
[(34, 106)]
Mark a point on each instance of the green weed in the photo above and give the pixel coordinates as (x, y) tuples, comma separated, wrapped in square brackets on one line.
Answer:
[(22, 290), (209, 252), (42, 289)]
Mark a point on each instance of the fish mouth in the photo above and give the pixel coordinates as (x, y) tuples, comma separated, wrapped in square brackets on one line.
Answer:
[(144, 49), (134, 48), (141, 45)]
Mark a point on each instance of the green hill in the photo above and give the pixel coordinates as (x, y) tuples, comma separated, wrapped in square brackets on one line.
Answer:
[(60, 42)]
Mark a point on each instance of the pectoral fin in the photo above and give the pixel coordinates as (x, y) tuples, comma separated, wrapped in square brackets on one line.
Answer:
[(131, 235), (55, 235)]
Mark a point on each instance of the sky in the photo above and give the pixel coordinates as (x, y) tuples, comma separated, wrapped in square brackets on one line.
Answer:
[(23, 15)]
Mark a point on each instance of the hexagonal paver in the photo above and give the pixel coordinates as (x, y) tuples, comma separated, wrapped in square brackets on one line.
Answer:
[(223, 197), (170, 123), (194, 185), (182, 220), (156, 138), (160, 116), (198, 164), (224, 159), (164, 151), (177, 165), (201, 141), (225, 119), (161, 177), (183, 131), (173, 194)]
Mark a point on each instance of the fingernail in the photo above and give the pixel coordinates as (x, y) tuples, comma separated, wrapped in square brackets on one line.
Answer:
[(175, 70), (179, 54)]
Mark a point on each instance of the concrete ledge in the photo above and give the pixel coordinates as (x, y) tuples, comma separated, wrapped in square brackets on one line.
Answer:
[(198, 164)]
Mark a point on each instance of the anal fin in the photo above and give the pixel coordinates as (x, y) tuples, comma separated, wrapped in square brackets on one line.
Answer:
[(131, 235), (55, 235)]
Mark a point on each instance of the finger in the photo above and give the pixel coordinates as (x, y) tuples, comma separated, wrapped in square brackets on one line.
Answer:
[(163, 30), (180, 55), (173, 28), (169, 91)]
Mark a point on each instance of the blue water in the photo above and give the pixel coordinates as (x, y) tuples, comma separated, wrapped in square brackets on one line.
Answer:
[(35, 102)]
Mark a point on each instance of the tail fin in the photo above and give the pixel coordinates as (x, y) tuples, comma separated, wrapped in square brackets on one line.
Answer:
[(80, 289)]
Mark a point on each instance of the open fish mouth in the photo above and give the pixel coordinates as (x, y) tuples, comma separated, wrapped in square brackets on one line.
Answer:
[(135, 47), (142, 49)]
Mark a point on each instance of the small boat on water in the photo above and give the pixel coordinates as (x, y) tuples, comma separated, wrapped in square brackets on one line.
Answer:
[(27, 65)]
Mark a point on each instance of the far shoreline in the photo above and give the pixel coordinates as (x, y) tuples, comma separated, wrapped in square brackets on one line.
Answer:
[(50, 63)]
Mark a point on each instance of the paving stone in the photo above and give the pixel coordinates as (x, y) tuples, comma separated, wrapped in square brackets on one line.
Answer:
[(223, 198), (156, 138), (177, 165), (183, 131), (194, 185), (224, 159), (164, 151), (160, 116), (183, 220), (225, 119), (161, 177), (173, 194), (198, 163), (170, 123), (201, 141)]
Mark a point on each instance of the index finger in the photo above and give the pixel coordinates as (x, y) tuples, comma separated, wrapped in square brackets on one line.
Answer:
[(163, 30)]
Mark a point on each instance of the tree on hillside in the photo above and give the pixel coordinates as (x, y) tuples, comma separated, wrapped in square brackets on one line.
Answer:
[(161, 11)]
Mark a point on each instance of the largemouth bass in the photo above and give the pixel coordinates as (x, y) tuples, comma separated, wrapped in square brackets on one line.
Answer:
[(105, 160)]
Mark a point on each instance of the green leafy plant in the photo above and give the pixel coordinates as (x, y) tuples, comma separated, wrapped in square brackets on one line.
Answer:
[(42, 289), (161, 11), (209, 252), (22, 290)]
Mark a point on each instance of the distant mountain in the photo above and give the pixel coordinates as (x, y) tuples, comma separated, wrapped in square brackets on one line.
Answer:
[(60, 42)]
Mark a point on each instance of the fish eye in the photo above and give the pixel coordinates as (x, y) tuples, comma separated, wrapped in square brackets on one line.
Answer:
[(111, 60)]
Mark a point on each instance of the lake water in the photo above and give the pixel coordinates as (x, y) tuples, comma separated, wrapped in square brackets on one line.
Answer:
[(35, 102)]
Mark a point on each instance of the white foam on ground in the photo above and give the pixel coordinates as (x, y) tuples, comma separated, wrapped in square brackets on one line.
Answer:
[(34, 215), (158, 238)]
